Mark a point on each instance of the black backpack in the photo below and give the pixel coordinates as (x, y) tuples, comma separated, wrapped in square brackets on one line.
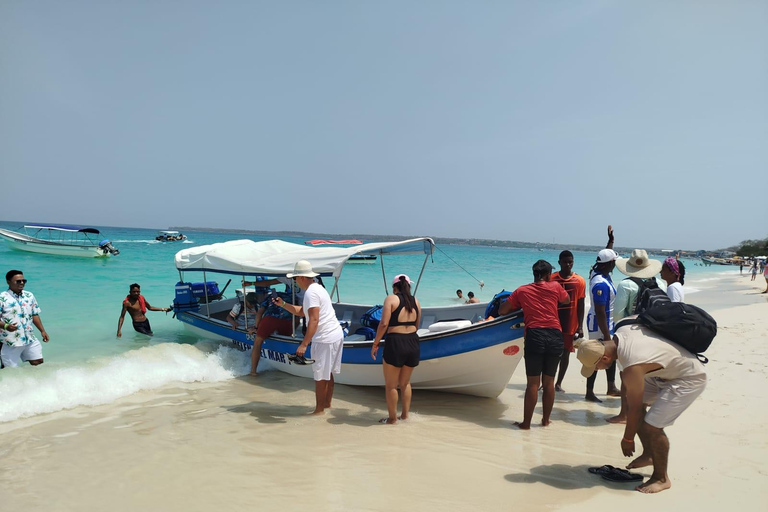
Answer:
[(683, 324), (648, 294)]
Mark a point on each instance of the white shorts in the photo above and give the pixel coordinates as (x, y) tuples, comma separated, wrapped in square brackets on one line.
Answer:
[(327, 358), (669, 398), (12, 356)]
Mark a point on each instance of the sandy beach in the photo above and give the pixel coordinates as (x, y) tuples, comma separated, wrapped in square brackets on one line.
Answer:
[(246, 444)]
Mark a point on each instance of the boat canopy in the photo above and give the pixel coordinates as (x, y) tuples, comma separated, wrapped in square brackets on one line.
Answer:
[(168, 232), (71, 229), (277, 257), (333, 242)]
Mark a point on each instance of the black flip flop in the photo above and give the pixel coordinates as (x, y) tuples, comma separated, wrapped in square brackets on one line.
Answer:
[(300, 360), (622, 475), (602, 470)]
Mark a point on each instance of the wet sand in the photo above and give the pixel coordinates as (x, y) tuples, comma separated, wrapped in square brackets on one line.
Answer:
[(248, 444)]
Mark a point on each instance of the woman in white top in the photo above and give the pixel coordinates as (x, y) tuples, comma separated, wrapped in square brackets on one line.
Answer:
[(673, 272)]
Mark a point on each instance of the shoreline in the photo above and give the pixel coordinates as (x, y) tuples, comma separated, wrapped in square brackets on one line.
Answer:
[(248, 443)]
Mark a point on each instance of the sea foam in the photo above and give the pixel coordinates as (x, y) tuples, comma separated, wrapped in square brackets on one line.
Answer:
[(30, 391)]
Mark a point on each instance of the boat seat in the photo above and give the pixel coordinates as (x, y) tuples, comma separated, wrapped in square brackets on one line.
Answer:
[(347, 316), (426, 321)]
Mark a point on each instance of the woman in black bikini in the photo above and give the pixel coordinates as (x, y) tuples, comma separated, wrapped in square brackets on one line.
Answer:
[(400, 319)]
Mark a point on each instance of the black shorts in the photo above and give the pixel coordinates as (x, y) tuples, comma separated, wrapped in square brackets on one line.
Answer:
[(402, 349), (143, 327), (543, 348)]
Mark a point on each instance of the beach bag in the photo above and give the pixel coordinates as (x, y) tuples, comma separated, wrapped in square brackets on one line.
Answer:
[(372, 317), (492, 309), (683, 324), (367, 332), (648, 294)]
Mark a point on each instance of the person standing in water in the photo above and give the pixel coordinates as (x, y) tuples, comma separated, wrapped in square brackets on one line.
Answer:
[(137, 306), (400, 319)]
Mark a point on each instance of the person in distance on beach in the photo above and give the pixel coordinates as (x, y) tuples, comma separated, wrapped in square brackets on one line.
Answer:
[(137, 306), (600, 317), (543, 345), (19, 312), (765, 275), (400, 318), (657, 374), (323, 331), (571, 314), (472, 299)]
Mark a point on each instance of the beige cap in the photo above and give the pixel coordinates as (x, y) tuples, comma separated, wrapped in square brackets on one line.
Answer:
[(589, 354)]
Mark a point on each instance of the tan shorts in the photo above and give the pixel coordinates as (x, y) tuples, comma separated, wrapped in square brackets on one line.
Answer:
[(669, 398), (327, 358)]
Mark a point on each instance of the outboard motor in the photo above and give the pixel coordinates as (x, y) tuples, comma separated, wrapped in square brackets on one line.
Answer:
[(106, 246), (185, 299)]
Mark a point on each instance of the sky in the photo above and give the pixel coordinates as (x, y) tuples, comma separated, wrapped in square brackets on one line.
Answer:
[(513, 120)]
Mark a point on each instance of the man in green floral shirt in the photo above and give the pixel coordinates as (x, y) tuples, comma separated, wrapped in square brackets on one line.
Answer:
[(18, 313)]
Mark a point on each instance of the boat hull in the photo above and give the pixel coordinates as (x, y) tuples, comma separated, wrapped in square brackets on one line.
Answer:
[(478, 360)]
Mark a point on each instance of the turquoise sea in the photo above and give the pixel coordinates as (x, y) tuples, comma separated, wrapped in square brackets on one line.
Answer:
[(80, 299)]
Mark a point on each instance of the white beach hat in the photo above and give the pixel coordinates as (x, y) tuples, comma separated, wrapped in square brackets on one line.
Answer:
[(303, 268), (638, 265)]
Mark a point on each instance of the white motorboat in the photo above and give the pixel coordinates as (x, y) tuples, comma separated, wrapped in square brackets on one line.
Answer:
[(459, 352), (60, 240)]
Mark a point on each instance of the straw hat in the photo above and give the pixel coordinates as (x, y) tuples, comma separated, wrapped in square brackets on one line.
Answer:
[(589, 354), (638, 265), (303, 268)]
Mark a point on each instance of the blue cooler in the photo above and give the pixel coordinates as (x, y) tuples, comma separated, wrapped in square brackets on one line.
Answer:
[(185, 299)]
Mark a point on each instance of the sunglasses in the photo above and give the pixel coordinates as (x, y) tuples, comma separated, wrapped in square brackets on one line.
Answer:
[(20, 281)]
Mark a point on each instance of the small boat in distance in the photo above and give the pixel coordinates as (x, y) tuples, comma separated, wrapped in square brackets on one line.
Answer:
[(355, 258), (170, 236), (60, 240)]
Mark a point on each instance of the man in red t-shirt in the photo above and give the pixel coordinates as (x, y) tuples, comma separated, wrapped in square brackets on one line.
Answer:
[(543, 337), (571, 315)]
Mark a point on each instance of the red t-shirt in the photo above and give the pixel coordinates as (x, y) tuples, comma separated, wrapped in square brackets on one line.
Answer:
[(539, 302), (575, 287)]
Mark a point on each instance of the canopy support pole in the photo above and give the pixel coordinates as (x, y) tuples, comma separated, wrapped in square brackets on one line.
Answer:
[(421, 274), (205, 289), (383, 275)]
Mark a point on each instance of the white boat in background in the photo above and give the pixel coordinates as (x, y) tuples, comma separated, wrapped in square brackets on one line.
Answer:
[(60, 240), (170, 236), (460, 352)]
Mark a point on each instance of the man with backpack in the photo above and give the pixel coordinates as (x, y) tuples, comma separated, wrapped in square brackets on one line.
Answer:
[(657, 373), (640, 286)]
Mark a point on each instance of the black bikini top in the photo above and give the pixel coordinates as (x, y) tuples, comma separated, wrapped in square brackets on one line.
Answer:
[(393, 320)]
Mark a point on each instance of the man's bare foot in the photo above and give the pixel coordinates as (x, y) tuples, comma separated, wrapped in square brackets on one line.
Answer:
[(559, 388), (253, 374), (546, 423), (387, 421), (642, 461), (654, 485), (522, 426), (613, 391), (590, 397), (403, 417), (616, 419), (317, 413)]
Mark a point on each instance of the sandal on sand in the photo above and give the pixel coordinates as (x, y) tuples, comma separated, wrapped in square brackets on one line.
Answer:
[(300, 360), (622, 475), (602, 470)]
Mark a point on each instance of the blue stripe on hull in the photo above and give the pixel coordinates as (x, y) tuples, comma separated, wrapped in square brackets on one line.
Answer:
[(447, 344)]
